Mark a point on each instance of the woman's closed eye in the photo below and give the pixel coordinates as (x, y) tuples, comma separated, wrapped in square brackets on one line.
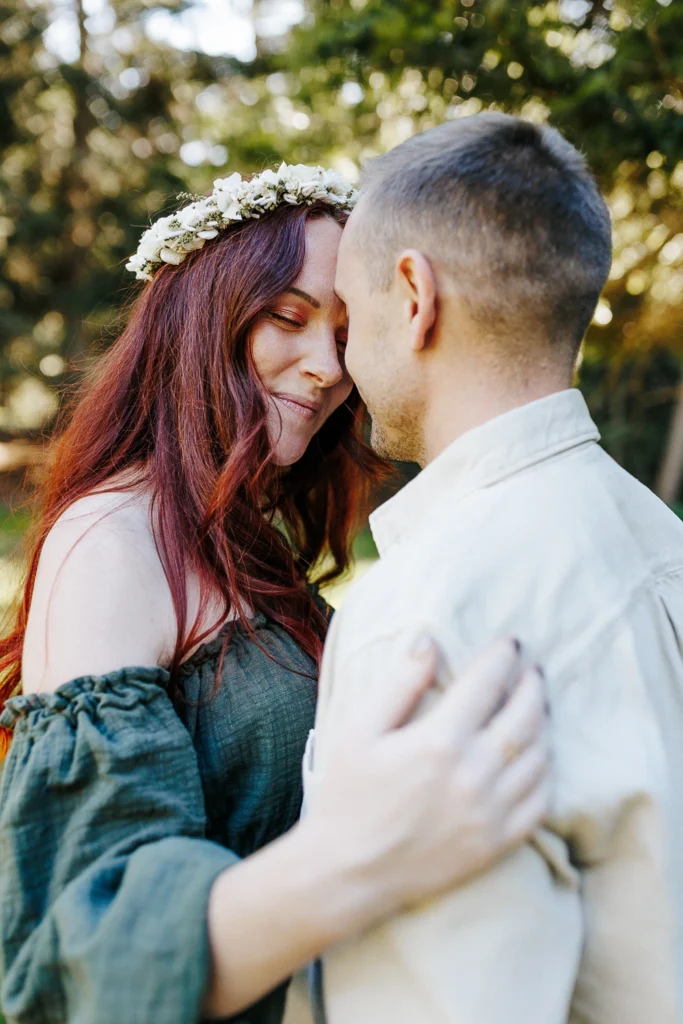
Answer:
[(288, 321)]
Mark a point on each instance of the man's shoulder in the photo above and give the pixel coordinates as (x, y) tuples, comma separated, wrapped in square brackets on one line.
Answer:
[(583, 502), (555, 550)]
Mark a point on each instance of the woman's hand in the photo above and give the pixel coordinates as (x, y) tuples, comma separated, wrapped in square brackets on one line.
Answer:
[(410, 808), (404, 810)]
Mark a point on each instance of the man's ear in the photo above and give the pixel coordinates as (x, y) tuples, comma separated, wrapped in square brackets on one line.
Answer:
[(417, 288)]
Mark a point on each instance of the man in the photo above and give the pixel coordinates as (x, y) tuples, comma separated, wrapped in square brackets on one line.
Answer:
[(471, 269)]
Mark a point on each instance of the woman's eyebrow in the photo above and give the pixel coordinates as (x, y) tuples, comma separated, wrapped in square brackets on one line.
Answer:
[(305, 296)]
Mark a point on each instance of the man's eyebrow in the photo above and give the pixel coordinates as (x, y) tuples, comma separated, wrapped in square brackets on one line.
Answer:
[(305, 296)]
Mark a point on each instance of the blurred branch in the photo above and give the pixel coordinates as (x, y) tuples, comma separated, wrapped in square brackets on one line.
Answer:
[(663, 62), (19, 454), (669, 478), (82, 33)]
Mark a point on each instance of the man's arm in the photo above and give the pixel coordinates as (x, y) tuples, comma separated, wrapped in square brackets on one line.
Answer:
[(614, 804)]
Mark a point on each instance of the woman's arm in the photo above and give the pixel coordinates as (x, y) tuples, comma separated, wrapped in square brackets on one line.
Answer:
[(101, 601), (377, 837)]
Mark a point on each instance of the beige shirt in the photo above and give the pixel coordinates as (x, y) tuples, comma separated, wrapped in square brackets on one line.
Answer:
[(525, 527)]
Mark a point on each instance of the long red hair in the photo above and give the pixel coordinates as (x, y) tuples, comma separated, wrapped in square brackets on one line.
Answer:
[(177, 400)]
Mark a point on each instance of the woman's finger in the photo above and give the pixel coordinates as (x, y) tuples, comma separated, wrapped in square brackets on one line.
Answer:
[(520, 722), (528, 815), (476, 693), (392, 705), (522, 776)]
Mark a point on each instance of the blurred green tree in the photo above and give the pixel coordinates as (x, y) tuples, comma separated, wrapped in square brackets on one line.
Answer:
[(369, 73), (92, 147)]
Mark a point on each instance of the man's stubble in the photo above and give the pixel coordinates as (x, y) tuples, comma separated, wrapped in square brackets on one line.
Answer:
[(396, 421), (391, 395)]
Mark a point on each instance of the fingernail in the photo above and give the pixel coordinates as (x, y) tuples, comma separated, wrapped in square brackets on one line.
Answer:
[(516, 644), (540, 671), (422, 646)]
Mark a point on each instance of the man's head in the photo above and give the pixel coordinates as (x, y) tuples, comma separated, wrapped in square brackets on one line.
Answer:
[(478, 249)]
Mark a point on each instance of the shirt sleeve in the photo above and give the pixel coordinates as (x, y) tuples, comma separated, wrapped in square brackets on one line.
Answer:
[(104, 869), (614, 806)]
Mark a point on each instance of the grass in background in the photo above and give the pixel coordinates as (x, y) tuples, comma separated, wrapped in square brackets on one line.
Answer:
[(365, 553), (13, 526)]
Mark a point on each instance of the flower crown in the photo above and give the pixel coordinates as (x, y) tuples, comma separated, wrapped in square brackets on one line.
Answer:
[(234, 199)]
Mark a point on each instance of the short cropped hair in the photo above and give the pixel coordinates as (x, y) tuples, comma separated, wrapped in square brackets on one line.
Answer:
[(507, 209)]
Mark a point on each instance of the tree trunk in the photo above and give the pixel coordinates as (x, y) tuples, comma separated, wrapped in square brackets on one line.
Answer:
[(75, 184), (671, 470)]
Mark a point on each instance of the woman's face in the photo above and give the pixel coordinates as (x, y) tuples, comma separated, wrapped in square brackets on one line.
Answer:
[(298, 348)]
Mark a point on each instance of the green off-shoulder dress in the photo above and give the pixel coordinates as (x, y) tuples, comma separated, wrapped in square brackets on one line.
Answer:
[(117, 812)]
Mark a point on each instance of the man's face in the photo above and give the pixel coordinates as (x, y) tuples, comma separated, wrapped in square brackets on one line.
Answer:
[(378, 356)]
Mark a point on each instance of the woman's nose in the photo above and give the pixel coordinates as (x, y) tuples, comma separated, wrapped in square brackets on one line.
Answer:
[(322, 363)]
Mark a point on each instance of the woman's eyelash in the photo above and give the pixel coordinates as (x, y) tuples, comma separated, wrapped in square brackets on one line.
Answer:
[(286, 320), (297, 323)]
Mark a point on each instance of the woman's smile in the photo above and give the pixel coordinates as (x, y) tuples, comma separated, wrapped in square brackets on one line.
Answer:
[(306, 409)]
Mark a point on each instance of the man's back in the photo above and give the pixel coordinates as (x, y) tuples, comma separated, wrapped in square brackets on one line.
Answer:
[(526, 527)]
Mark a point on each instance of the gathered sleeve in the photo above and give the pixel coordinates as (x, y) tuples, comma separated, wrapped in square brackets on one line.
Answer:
[(104, 869)]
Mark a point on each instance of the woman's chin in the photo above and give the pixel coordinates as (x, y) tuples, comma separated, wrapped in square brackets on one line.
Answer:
[(288, 452)]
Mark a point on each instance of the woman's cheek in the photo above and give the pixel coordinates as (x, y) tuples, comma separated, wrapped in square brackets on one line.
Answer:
[(270, 352)]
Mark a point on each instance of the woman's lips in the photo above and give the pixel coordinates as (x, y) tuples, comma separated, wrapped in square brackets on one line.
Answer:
[(304, 408)]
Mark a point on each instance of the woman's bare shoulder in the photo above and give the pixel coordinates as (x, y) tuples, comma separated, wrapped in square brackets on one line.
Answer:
[(101, 600)]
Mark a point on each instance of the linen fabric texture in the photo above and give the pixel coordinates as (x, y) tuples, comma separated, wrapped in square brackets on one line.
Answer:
[(525, 527), (117, 813)]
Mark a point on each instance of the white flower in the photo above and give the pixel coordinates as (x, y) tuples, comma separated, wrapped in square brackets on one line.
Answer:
[(251, 190), (233, 199), (228, 184), (138, 269), (148, 247), (192, 215), (168, 256), (335, 183), (303, 172), (191, 244), (224, 200), (162, 227)]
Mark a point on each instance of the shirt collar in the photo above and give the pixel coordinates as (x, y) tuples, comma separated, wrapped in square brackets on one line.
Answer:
[(497, 449)]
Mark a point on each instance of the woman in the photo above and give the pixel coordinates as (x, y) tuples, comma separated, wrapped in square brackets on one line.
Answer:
[(152, 867)]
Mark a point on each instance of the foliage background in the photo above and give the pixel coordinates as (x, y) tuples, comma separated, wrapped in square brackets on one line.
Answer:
[(107, 112), (104, 119)]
